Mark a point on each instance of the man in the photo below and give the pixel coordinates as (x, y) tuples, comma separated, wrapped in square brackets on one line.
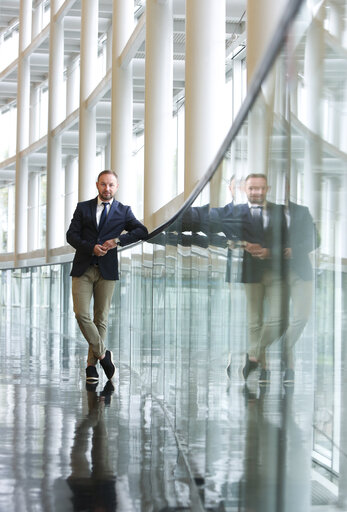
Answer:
[(258, 226), (96, 232), (302, 239)]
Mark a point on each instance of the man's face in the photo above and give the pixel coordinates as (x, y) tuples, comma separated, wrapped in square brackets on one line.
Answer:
[(256, 190), (107, 186)]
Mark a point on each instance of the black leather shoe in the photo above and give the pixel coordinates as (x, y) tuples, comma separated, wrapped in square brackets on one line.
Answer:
[(107, 364), (288, 378), (91, 388), (92, 375), (249, 367), (107, 392), (264, 377)]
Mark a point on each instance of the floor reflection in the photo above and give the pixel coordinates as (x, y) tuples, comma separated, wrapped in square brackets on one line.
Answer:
[(207, 443), (92, 479)]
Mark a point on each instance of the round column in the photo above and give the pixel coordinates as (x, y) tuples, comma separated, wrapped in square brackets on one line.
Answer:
[(71, 190), (158, 159), (34, 132), (33, 211), (262, 20), (23, 107), (87, 119), (313, 76), (72, 86), (205, 85), (54, 227), (122, 100)]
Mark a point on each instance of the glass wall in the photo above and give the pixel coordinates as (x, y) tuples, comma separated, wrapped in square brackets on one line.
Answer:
[(233, 317)]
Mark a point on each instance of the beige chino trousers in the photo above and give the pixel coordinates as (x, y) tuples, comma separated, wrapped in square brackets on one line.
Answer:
[(265, 302), (92, 284)]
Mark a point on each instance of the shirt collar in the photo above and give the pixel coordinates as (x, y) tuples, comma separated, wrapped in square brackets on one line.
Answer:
[(250, 205)]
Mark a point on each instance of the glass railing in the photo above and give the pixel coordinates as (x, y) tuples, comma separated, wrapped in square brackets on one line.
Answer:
[(215, 283)]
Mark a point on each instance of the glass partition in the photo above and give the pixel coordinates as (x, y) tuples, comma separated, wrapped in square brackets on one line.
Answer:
[(230, 321)]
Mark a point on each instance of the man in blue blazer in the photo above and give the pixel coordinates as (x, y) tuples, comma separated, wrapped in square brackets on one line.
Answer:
[(258, 227), (96, 230)]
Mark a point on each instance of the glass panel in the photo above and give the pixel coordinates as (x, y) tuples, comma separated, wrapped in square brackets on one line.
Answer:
[(228, 326)]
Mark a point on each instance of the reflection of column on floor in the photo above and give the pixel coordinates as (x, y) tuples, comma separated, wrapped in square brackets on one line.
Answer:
[(294, 460), (277, 459), (259, 484)]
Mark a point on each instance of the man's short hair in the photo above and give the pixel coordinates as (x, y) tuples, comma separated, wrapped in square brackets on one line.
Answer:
[(256, 175), (107, 171)]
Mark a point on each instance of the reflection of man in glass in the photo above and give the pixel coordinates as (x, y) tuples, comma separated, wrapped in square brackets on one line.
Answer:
[(259, 226), (301, 240), (93, 484)]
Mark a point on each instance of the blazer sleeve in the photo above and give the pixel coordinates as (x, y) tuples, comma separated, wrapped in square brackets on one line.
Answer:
[(135, 229), (304, 235), (74, 233)]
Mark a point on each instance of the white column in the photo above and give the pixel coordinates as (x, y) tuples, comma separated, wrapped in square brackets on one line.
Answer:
[(108, 153), (37, 20), (336, 28), (23, 106), (54, 226), (313, 75), (34, 131), (262, 20), (72, 87), (109, 44), (87, 119), (158, 160), (336, 25), (10, 220), (329, 216), (343, 216), (122, 100), (205, 86), (33, 211), (71, 189)]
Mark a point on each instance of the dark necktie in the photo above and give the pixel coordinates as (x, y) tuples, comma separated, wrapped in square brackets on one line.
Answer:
[(103, 216), (257, 215)]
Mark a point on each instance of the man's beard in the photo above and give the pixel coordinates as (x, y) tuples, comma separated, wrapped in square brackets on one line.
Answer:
[(106, 198)]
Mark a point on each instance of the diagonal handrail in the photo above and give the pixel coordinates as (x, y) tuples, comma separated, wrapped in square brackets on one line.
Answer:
[(259, 77)]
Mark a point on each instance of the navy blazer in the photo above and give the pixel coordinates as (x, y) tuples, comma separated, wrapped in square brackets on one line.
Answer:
[(83, 235), (237, 223), (302, 239)]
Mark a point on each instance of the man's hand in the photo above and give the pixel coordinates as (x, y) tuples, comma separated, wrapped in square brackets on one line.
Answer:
[(257, 251), (99, 250), (109, 244), (288, 253)]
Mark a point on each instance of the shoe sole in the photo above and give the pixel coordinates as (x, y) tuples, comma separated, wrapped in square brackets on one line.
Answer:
[(92, 380)]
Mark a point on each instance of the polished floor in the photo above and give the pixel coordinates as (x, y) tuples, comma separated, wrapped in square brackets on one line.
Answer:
[(224, 447)]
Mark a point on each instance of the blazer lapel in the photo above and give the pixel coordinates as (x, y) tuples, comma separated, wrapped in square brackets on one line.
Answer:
[(93, 205)]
